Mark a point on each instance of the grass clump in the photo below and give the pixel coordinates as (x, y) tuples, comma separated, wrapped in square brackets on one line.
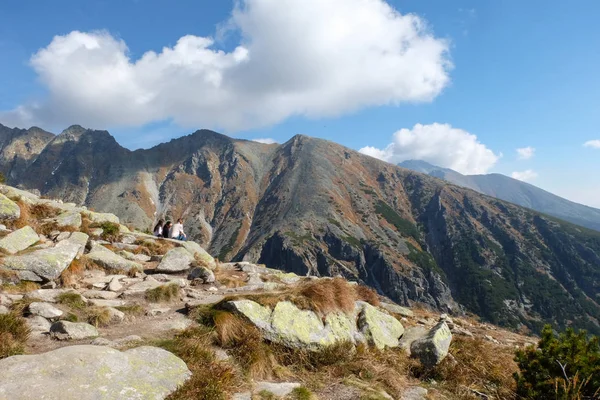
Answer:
[(152, 247), (302, 393), (210, 378), (110, 231), (98, 316), (134, 309), (20, 287), (72, 300), (163, 294), (14, 333)]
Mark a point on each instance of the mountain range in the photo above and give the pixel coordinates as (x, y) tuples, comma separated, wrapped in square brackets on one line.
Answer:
[(514, 191), (311, 206)]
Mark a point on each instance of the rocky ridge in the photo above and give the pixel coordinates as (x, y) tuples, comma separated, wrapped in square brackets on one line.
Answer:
[(91, 287)]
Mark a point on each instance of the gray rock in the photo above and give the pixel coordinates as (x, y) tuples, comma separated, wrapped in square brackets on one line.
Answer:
[(410, 335), (381, 330), (134, 257), (38, 324), (92, 372), (205, 274), (128, 239), (114, 285), (176, 260), (45, 310), (100, 218), (158, 311), (200, 254), (415, 393), (19, 240), (100, 294), (65, 330), (96, 232), (69, 219), (109, 260), (49, 285), (9, 210), (107, 303), (433, 348), (116, 315), (25, 275), (47, 295), (4, 310), (396, 309), (63, 236), (278, 389)]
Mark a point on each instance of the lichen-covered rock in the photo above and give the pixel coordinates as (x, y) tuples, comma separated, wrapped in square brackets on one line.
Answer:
[(396, 309), (100, 218), (205, 274), (176, 260), (19, 240), (45, 310), (69, 219), (200, 254), (381, 330), (92, 372), (38, 324), (9, 210), (109, 260), (65, 330), (48, 263), (433, 348)]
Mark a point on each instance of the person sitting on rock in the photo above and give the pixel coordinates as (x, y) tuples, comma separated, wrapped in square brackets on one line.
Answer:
[(166, 230), (158, 229), (177, 231)]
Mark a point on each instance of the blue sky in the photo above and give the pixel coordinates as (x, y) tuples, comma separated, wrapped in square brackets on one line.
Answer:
[(513, 74)]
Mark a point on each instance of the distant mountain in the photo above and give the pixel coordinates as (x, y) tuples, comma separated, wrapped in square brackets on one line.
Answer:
[(311, 206), (514, 191)]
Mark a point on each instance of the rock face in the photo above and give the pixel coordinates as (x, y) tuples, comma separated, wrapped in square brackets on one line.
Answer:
[(9, 210), (65, 330), (292, 327), (433, 348), (176, 260), (92, 372), (109, 260), (19, 240)]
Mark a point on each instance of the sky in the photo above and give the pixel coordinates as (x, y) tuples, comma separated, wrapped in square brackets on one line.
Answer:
[(504, 86)]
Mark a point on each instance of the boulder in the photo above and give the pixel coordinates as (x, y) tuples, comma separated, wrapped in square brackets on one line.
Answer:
[(99, 218), (47, 295), (109, 260), (92, 372), (396, 309), (381, 330), (127, 238), (116, 315), (107, 303), (176, 260), (200, 254), (65, 330), (38, 324), (45, 310), (69, 219), (63, 236), (100, 294), (114, 285), (415, 393), (49, 263), (9, 210), (19, 240), (205, 274), (134, 257), (432, 348)]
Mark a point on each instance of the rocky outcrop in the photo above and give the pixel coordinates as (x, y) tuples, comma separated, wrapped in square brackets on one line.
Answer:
[(18, 240), (92, 372), (292, 327)]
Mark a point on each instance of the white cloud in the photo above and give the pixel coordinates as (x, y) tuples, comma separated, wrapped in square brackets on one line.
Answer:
[(525, 175), (312, 58), (264, 140), (439, 144), (593, 144), (525, 153)]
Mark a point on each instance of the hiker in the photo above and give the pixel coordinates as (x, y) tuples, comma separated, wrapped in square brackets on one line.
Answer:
[(167, 230), (158, 229), (177, 231)]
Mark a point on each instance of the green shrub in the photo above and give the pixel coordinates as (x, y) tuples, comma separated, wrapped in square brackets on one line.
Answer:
[(110, 231), (565, 367)]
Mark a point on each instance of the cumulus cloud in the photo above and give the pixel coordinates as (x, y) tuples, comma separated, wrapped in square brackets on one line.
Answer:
[(439, 144), (312, 58), (595, 144), (525, 153), (264, 140), (525, 175)]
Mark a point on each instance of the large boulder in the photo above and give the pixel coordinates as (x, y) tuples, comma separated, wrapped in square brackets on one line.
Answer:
[(432, 348), (109, 260), (49, 263), (47, 295), (19, 240), (92, 372), (69, 219), (45, 310), (100, 218), (65, 330), (176, 260), (200, 254), (381, 330), (9, 210)]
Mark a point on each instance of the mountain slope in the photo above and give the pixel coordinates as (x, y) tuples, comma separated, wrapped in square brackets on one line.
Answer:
[(312, 206), (514, 191)]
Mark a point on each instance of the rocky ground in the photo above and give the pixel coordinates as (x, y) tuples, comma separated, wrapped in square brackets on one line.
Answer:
[(101, 302)]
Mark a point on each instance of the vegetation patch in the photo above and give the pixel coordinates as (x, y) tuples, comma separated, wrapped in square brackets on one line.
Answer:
[(225, 250), (98, 316), (403, 226), (72, 300), (133, 309), (14, 333), (163, 294), (152, 247), (110, 231), (299, 240)]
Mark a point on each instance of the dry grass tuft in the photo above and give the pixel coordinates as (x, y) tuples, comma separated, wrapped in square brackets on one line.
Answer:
[(479, 366), (98, 316), (32, 215), (151, 247), (75, 270), (163, 294), (368, 294), (72, 300), (133, 309), (13, 334), (20, 287), (210, 379)]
